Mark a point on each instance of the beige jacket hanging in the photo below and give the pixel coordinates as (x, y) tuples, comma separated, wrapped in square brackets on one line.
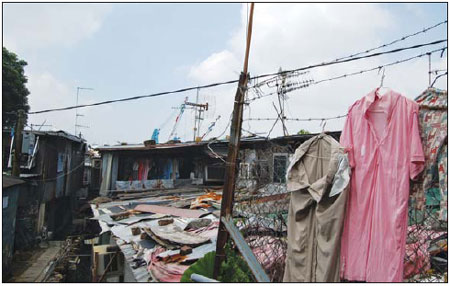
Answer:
[(318, 179)]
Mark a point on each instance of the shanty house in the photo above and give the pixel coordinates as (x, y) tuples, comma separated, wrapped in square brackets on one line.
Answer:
[(262, 161), (137, 167), (52, 164), (11, 188)]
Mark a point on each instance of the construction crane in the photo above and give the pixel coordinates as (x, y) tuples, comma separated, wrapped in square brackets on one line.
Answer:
[(177, 120), (210, 128), (199, 110)]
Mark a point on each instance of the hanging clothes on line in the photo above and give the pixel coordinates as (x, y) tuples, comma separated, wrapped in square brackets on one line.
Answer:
[(433, 117), (318, 178), (385, 151)]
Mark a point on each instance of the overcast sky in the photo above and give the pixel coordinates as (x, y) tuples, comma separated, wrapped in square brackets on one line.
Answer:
[(125, 50)]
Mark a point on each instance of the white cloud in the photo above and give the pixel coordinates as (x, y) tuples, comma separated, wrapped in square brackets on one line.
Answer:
[(217, 67), (30, 26), (295, 35), (46, 91)]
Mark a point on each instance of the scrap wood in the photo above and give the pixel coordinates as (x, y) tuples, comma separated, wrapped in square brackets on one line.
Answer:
[(197, 253), (175, 258), (163, 222), (123, 215), (170, 211)]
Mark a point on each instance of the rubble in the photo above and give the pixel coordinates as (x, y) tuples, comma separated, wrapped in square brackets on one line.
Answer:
[(159, 234)]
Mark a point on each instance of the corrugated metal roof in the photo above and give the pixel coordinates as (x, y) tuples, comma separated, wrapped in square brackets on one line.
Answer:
[(150, 147), (59, 133), (252, 139), (9, 181)]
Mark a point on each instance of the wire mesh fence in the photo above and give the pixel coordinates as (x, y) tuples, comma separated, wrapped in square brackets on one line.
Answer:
[(260, 211)]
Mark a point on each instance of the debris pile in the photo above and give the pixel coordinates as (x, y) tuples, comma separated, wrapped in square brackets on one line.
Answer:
[(161, 236)]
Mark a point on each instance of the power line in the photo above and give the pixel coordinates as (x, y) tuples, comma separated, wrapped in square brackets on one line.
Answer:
[(352, 59), (235, 81), (395, 41), (391, 43), (307, 84)]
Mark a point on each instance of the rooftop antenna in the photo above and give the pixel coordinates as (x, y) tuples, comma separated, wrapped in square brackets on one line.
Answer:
[(40, 125), (281, 91), (199, 116), (76, 109)]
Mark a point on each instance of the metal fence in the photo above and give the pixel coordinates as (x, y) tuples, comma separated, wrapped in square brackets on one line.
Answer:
[(260, 213)]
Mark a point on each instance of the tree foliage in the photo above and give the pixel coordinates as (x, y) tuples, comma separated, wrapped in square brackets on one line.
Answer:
[(15, 93), (303, 131), (233, 269)]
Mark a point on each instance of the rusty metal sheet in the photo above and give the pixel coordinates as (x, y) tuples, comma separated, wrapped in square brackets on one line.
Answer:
[(175, 234), (170, 211)]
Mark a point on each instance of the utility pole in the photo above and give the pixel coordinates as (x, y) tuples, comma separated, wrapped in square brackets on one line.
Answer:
[(76, 109), (18, 143), (226, 209), (199, 109)]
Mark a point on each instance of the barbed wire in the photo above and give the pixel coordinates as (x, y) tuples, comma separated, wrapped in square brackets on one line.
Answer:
[(182, 90), (297, 119), (304, 84)]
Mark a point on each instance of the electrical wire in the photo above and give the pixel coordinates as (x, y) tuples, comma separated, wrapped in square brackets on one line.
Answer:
[(61, 175), (395, 41), (235, 81), (309, 83), (352, 59)]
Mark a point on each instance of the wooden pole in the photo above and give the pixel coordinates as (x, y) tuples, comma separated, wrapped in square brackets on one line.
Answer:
[(18, 143), (233, 153)]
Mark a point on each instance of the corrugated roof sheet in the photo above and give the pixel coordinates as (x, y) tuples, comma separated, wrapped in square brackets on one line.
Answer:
[(59, 133), (252, 139), (9, 181)]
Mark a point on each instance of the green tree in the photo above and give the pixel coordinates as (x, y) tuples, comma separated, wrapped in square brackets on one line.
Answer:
[(303, 131), (15, 93)]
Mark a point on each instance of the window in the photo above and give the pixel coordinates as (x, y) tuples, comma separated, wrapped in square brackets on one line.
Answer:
[(260, 171), (280, 162), (244, 171), (5, 202)]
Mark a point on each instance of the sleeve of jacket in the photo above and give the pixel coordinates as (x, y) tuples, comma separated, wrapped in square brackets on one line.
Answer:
[(346, 139), (417, 159)]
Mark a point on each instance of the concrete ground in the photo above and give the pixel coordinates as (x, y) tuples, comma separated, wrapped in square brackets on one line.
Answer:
[(32, 267)]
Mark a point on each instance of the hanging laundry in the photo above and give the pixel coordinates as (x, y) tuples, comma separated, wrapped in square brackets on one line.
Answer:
[(318, 179), (141, 170), (146, 169), (382, 136), (433, 132), (135, 173)]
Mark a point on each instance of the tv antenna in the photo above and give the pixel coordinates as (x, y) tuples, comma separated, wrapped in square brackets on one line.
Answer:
[(76, 110)]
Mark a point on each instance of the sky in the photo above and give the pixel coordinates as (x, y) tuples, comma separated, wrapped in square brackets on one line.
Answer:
[(125, 50)]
